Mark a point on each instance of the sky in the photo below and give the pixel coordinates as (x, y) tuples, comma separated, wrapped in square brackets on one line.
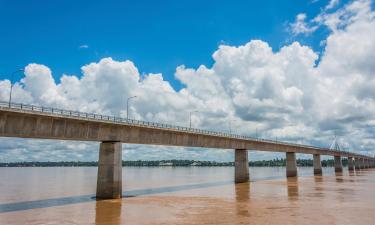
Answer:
[(299, 71)]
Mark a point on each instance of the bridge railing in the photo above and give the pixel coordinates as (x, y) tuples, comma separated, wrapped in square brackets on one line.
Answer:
[(98, 117)]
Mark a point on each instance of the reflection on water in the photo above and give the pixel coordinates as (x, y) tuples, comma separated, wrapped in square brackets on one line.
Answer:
[(19, 206), (108, 212), (44, 203), (318, 187), (242, 191), (339, 177), (292, 186), (187, 196), (318, 178)]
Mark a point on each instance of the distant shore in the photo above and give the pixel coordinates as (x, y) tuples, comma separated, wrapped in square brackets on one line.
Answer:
[(163, 163)]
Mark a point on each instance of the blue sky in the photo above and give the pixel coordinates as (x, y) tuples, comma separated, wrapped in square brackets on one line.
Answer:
[(317, 81), (156, 35)]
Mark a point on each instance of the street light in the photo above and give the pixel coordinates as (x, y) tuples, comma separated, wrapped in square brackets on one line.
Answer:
[(230, 126), (127, 106), (11, 86), (190, 116)]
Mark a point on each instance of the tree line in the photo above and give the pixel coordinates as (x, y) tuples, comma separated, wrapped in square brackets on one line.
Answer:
[(153, 163)]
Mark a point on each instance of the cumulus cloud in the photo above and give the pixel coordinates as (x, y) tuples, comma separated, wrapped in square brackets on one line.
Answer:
[(285, 94), (337, 20), (300, 26)]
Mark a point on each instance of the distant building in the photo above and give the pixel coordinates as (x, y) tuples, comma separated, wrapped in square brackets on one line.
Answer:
[(195, 164), (165, 164)]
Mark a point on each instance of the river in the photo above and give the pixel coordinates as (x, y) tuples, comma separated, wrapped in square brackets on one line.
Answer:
[(187, 195)]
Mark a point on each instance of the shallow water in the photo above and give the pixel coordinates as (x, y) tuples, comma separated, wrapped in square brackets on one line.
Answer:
[(187, 195)]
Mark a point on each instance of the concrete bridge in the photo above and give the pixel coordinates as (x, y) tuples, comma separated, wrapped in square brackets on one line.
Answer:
[(28, 121)]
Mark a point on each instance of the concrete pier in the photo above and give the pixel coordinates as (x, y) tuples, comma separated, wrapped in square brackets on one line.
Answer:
[(317, 164), (338, 164), (241, 166), (109, 183), (350, 163), (357, 164), (291, 164), (363, 163)]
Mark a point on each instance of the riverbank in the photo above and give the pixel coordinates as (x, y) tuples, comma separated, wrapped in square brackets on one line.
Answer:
[(174, 162)]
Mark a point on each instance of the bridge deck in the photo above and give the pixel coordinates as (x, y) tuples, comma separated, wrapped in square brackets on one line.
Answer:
[(29, 121)]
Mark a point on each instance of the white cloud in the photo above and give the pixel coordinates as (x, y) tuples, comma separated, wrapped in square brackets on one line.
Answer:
[(83, 46), (300, 26), (284, 94), (332, 4)]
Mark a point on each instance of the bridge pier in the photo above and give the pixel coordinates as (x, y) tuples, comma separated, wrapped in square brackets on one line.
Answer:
[(363, 165), (350, 163), (241, 166), (357, 164), (291, 164), (338, 163), (317, 164), (109, 181)]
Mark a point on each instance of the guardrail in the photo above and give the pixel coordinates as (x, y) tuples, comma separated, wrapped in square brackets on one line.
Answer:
[(132, 122)]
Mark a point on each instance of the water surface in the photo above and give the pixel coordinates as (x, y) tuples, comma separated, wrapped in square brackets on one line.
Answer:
[(187, 195)]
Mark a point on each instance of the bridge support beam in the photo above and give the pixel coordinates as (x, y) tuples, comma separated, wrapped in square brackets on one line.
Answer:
[(241, 166), (317, 164), (291, 164), (362, 163), (338, 163), (357, 163), (109, 183), (350, 163)]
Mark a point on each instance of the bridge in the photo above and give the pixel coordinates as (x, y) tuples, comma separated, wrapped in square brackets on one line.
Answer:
[(30, 121)]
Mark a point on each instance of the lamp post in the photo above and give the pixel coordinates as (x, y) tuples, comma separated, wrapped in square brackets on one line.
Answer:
[(230, 126), (190, 116), (127, 106), (11, 86)]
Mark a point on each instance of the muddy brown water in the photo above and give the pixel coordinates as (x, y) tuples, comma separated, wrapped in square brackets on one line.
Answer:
[(192, 195)]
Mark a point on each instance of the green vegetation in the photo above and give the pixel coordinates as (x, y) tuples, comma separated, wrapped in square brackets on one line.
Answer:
[(273, 163)]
